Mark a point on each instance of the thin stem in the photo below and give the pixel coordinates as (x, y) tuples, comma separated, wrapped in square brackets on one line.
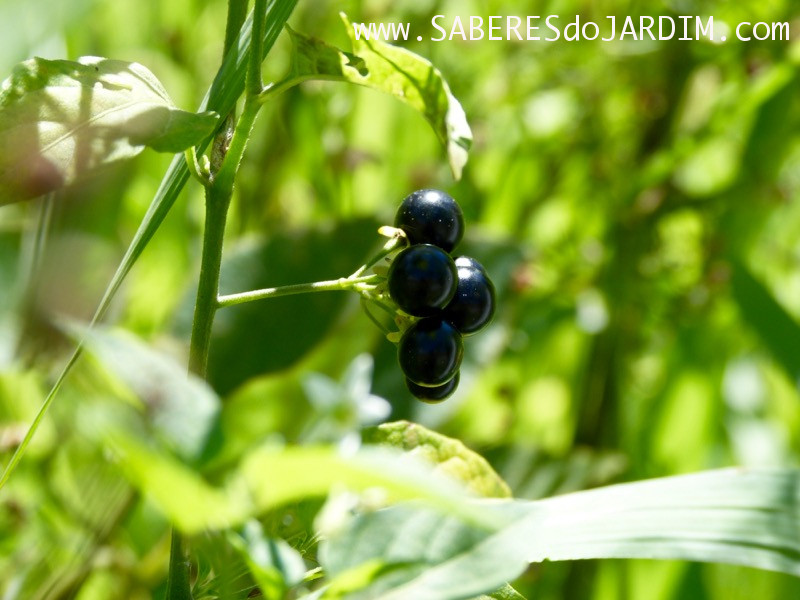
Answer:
[(223, 180), (178, 587), (200, 172), (254, 83), (341, 284), (390, 247), (219, 191), (237, 15), (273, 89), (217, 203), (218, 199), (373, 318)]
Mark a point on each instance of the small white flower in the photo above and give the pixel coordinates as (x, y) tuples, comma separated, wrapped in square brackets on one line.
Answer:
[(342, 408)]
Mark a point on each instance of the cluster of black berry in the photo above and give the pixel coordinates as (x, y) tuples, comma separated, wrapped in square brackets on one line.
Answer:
[(451, 297)]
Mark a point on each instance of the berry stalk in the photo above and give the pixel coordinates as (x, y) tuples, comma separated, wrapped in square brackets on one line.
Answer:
[(341, 284)]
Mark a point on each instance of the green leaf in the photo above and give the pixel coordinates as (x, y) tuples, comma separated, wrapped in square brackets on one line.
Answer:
[(393, 70), (275, 566), (450, 455), (304, 472), (182, 408), (182, 495), (504, 593), (737, 516), (225, 90), (776, 327), (60, 120), (271, 477)]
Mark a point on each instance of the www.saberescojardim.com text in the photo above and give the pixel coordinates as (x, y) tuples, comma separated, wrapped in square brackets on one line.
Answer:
[(555, 28)]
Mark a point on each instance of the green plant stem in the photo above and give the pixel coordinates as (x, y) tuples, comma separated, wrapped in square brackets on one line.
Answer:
[(390, 247), (222, 181), (237, 13), (218, 198), (178, 586), (219, 191), (254, 83), (217, 203), (273, 89), (341, 284)]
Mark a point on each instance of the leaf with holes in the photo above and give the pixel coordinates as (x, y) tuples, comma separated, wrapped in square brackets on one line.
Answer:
[(60, 120), (392, 70)]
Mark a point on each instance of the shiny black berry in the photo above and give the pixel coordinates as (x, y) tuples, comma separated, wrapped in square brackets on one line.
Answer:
[(432, 395), (422, 280), (468, 261), (472, 307), (431, 217), (430, 352)]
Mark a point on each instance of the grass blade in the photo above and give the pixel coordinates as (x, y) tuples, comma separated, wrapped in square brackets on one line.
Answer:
[(774, 325), (735, 516)]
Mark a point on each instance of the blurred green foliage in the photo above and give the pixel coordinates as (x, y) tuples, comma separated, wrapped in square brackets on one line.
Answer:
[(637, 204)]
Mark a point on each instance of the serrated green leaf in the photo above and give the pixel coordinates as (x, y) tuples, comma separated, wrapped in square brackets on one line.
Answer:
[(393, 70), (504, 593), (60, 120), (448, 454), (736, 516)]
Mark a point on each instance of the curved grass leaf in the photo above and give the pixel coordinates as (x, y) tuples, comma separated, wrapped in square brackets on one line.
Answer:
[(60, 120), (225, 90), (450, 455), (393, 70), (744, 517), (776, 327)]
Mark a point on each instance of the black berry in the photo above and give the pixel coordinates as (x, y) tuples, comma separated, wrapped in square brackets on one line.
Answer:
[(422, 280), (472, 307), (468, 261), (435, 394), (431, 217), (430, 352)]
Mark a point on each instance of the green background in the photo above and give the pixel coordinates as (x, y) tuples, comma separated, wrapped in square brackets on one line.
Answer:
[(636, 204)]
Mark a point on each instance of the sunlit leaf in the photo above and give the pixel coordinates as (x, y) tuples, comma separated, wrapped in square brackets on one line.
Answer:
[(450, 455), (271, 477), (60, 120), (221, 98), (180, 493), (745, 517), (393, 70), (504, 593)]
